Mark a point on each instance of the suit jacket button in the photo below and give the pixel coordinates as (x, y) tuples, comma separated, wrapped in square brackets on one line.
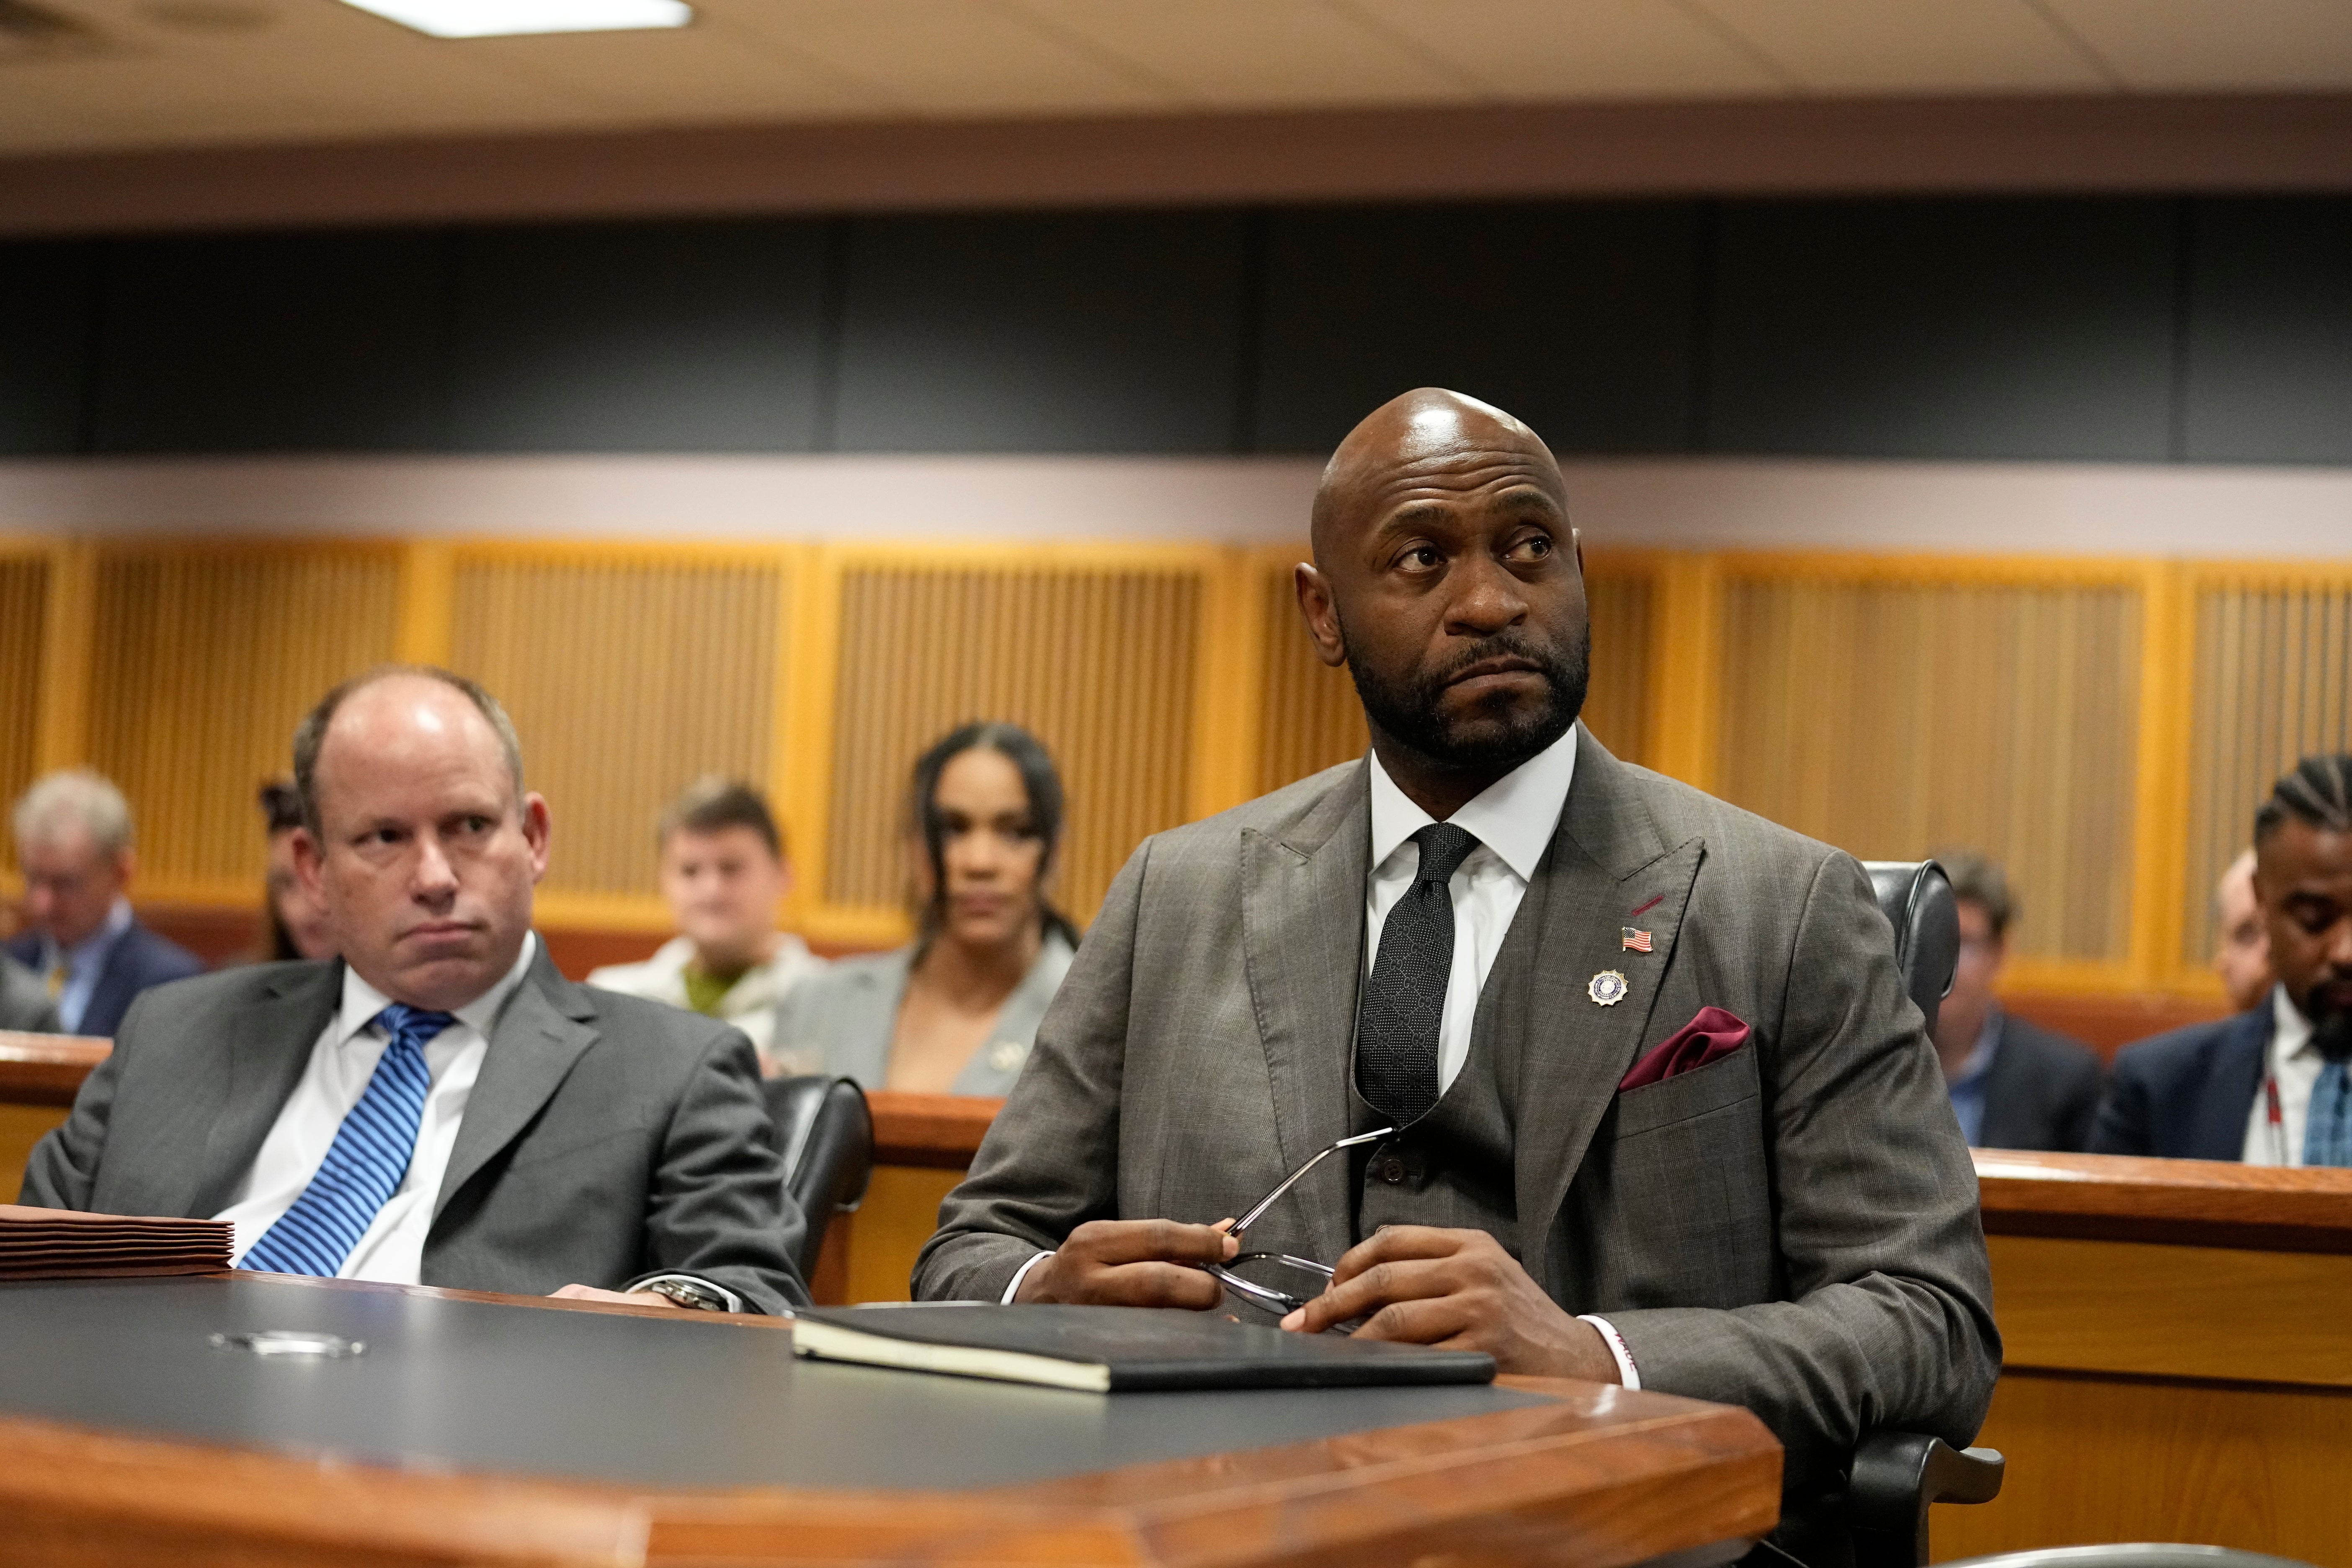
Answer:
[(1391, 1170)]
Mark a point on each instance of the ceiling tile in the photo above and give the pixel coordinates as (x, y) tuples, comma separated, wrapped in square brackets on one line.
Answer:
[(1937, 46), (713, 69), (1261, 54), (1577, 48), (945, 56), (2219, 45)]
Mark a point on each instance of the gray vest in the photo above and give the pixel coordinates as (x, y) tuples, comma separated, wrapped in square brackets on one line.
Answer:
[(1454, 1168)]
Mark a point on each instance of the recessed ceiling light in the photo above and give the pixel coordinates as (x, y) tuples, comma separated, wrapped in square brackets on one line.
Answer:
[(497, 18)]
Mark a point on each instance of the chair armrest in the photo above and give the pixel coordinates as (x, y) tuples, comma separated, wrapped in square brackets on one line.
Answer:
[(1895, 1477)]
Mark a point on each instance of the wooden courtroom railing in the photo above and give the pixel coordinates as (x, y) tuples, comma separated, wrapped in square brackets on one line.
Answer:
[(2175, 1365)]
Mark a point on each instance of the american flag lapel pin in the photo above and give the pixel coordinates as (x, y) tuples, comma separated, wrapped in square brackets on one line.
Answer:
[(1635, 941)]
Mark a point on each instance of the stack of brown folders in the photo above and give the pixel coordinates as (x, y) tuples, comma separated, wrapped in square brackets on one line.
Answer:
[(53, 1243)]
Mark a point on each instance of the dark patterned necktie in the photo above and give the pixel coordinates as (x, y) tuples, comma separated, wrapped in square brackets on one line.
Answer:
[(1396, 1034)]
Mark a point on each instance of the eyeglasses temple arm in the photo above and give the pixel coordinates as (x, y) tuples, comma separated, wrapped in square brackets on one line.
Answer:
[(1291, 1181)]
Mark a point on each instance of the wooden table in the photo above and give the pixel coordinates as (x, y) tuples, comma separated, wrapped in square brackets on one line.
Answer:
[(2178, 1356), (491, 1429)]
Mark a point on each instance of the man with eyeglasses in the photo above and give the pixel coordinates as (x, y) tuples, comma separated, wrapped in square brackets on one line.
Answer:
[(1492, 1041)]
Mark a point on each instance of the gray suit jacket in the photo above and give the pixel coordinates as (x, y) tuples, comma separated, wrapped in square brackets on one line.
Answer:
[(843, 1020), (607, 1138), (23, 1001), (1792, 1228)]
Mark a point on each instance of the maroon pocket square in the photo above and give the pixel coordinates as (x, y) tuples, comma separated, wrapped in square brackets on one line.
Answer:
[(1711, 1035)]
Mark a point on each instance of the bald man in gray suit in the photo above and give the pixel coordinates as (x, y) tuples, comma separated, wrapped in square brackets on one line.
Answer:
[(1639, 1093)]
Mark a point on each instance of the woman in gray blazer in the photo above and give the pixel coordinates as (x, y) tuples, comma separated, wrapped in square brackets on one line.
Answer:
[(956, 1011)]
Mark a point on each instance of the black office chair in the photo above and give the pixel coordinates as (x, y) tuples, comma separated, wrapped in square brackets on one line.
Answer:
[(827, 1133), (1898, 1476)]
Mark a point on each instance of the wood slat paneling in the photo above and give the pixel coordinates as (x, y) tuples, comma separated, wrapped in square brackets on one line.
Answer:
[(1624, 607), (204, 660), (2274, 684), (1894, 719), (628, 674), (1098, 663), (24, 592)]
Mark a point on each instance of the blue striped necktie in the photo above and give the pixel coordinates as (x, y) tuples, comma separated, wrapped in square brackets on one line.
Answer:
[(365, 1162), (2327, 1131)]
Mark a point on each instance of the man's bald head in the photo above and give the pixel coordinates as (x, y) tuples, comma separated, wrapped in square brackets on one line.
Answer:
[(1427, 424), (1446, 580), (310, 735)]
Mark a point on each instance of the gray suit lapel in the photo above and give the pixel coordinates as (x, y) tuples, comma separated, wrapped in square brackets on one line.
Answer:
[(1302, 935), (536, 1038), (1609, 859), (265, 1061)]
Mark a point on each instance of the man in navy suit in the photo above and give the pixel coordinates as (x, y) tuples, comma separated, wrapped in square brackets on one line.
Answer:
[(2268, 1086), (74, 844)]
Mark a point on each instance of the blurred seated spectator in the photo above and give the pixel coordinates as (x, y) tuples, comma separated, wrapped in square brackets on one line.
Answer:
[(2268, 1086), (2013, 1084), (25, 1002), (723, 870), (2242, 952), (75, 845), (298, 923), (957, 1010)]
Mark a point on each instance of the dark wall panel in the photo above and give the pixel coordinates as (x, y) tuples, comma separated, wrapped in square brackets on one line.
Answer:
[(1062, 332), (638, 337), (2270, 333), (1945, 329), (47, 294), (272, 342), (1579, 319)]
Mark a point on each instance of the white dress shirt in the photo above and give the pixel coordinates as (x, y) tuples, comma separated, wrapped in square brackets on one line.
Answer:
[(1513, 820), (392, 1249), (2293, 1064)]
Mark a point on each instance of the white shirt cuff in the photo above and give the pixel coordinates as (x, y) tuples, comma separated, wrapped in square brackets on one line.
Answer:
[(1019, 1275), (1627, 1372)]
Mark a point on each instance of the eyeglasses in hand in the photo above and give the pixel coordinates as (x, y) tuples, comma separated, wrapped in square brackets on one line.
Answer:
[(1300, 1272)]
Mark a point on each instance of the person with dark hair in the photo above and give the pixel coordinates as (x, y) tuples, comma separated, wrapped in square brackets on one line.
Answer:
[(437, 1105), (724, 871), (957, 1010), (2268, 1086), (295, 922), (2014, 1084)]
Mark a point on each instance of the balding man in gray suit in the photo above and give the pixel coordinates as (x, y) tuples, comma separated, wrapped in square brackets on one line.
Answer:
[(1638, 1093), (438, 1105)]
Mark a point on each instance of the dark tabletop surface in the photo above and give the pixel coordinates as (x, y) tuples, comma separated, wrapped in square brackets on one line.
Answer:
[(605, 1396)]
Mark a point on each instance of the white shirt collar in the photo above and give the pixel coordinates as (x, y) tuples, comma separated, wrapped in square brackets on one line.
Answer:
[(363, 1002), (2290, 1030), (1515, 816)]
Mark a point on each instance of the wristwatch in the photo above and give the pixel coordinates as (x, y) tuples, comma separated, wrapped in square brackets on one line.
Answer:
[(692, 1294)]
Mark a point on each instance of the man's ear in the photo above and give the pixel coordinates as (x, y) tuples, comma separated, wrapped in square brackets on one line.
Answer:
[(1322, 617), (535, 823), (310, 864)]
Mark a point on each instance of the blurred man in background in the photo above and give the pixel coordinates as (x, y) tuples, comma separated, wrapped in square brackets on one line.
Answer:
[(74, 842), (724, 872), (25, 1002), (2242, 950), (2268, 1086), (2013, 1084)]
